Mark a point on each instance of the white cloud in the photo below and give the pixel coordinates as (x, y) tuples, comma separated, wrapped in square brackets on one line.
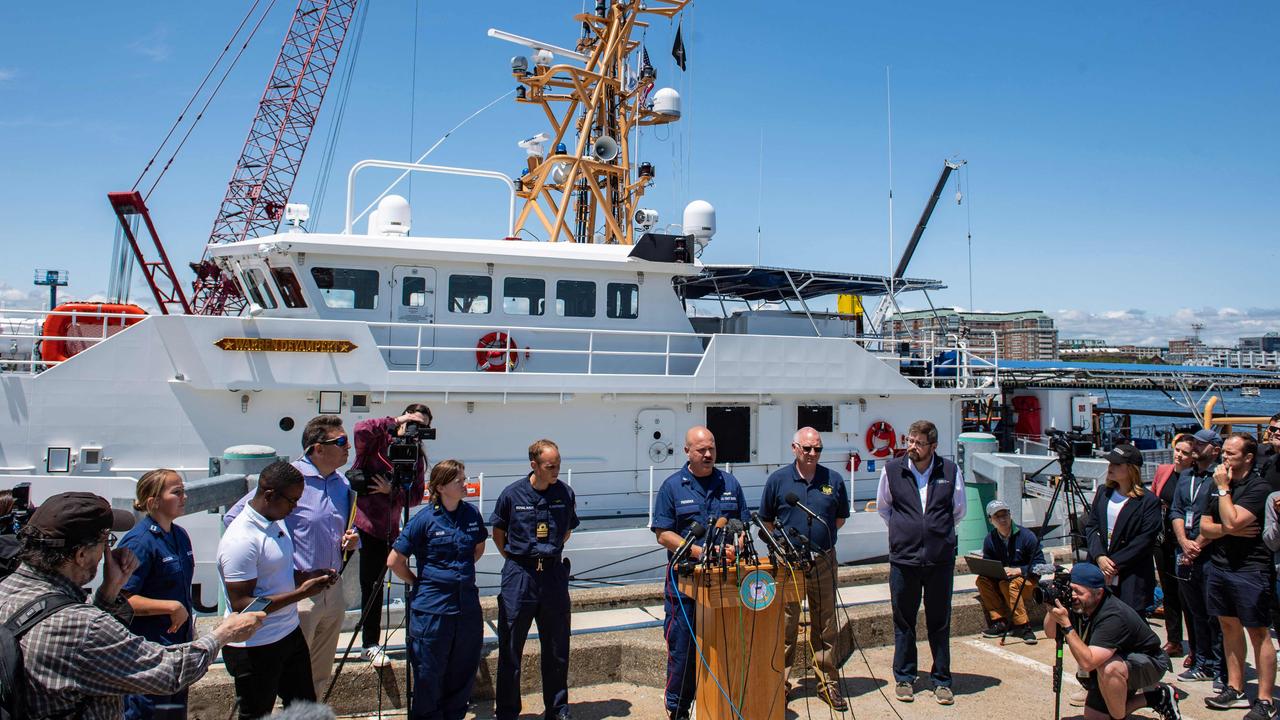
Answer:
[(1222, 326), (154, 46), (7, 74)]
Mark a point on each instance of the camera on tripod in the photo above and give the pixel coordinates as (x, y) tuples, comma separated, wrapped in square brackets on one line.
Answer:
[(1055, 587), (405, 450), (1071, 443)]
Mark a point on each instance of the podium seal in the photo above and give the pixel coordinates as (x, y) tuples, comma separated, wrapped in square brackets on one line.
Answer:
[(757, 590)]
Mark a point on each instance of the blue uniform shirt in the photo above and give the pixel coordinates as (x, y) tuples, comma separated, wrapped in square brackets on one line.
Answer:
[(165, 568), (825, 495), (444, 546), (535, 522), (684, 499)]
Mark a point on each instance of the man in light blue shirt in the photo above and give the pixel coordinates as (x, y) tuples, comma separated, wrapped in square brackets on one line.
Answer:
[(321, 533)]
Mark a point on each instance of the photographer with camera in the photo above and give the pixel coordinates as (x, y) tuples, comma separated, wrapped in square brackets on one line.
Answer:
[(384, 487), (1121, 653), (1122, 529)]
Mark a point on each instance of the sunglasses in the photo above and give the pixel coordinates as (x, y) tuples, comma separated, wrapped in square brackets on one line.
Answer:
[(815, 449), (1273, 429), (340, 441)]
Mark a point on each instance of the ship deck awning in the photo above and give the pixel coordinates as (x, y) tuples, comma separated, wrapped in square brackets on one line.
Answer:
[(1031, 372), (770, 284)]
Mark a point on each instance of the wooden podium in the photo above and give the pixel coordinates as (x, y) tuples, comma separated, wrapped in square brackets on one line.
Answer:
[(739, 629)]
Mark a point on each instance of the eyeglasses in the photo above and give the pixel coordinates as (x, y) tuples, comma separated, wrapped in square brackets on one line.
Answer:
[(340, 441), (293, 503), (815, 449), (1274, 429), (919, 441), (109, 538)]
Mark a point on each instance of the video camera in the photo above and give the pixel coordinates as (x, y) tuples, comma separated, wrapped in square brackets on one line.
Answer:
[(17, 517), (403, 451), (1071, 443), (1055, 587)]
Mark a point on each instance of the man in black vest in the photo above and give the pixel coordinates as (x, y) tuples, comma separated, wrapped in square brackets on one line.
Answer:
[(921, 498)]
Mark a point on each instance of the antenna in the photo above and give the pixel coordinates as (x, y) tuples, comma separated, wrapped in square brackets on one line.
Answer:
[(888, 107), (760, 200)]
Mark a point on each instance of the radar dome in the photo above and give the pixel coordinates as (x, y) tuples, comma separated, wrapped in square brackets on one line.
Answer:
[(700, 222), (666, 101), (393, 217)]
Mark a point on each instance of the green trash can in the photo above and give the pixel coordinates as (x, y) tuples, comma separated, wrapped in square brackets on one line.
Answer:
[(974, 527)]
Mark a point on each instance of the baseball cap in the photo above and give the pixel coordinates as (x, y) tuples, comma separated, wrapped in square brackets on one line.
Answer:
[(76, 518), (1088, 575), (996, 506), (1124, 455), (1205, 435)]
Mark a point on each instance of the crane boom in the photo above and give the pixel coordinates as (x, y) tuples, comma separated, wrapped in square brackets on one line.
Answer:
[(268, 166)]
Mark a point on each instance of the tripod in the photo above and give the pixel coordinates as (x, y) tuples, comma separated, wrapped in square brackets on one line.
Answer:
[(1075, 501), (364, 616)]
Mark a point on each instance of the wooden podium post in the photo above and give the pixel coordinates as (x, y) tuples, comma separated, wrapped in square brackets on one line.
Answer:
[(739, 629)]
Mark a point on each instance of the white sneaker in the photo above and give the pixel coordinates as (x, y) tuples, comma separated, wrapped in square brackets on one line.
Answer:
[(374, 656)]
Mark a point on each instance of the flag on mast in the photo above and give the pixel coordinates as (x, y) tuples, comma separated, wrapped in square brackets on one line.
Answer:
[(677, 49)]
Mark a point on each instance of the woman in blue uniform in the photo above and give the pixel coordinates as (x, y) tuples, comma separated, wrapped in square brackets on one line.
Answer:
[(159, 591), (446, 538)]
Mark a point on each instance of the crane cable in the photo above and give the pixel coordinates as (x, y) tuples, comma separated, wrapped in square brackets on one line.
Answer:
[(340, 103), (200, 115), (194, 95)]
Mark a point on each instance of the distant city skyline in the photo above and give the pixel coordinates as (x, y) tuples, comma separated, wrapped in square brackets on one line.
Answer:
[(1116, 153)]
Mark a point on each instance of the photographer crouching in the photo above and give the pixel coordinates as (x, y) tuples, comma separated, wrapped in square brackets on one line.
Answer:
[(1123, 656), (388, 474)]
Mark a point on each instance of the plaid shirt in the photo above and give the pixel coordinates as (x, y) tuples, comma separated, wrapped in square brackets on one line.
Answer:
[(81, 660)]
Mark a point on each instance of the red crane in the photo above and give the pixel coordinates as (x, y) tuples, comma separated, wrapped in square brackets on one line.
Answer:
[(268, 166)]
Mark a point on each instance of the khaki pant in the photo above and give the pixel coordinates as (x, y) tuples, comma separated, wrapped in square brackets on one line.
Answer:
[(820, 636), (998, 597), (321, 619)]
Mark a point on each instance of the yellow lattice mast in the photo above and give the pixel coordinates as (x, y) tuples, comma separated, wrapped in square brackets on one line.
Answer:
[(587, 179)]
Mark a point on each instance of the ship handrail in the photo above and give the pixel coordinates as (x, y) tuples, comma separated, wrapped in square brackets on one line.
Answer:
[(418, 167)]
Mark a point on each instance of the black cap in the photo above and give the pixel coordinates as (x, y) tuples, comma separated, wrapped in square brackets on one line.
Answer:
[(1124, 455), (76, 518)]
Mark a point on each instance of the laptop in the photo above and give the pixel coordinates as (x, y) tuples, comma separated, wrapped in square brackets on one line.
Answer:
[(979, 565)]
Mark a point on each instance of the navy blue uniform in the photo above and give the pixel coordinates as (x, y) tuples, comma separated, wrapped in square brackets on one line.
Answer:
[(682, 500), (535, 585), (825, 495), (446, 628), (165, 569)]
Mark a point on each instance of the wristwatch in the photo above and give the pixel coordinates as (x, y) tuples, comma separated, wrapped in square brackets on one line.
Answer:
[(1067, 630)]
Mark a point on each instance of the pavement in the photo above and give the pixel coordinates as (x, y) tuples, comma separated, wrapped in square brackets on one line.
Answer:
[(990, 681)]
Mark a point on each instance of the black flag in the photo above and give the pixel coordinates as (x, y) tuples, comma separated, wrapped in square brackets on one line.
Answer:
[(677, 49)]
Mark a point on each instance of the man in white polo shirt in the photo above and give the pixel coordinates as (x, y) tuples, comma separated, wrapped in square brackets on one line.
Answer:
[(255, 559)]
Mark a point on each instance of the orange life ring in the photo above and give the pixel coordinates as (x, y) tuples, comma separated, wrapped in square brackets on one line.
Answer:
[(63, 333), (882, 439), (497, 352)]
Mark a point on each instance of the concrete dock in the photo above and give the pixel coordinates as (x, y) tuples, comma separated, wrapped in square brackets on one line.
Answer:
[(618, 660)]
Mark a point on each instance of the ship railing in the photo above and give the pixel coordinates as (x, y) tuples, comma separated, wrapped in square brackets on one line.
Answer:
[(593, 345), (25, 327), (956, 361)]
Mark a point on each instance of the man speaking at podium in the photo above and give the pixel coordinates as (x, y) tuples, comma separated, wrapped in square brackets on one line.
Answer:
[(697, 493), (790, 494)]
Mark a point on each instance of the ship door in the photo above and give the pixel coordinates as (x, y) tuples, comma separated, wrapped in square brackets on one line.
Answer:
[(656, 446), (413, 292)]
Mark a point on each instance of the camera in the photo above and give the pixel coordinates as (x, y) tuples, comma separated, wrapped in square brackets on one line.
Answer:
[(1055, 587), (405, 450), (20, 513), (1072, 443)]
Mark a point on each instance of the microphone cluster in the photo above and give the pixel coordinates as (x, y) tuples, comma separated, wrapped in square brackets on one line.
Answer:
[(729, 541)]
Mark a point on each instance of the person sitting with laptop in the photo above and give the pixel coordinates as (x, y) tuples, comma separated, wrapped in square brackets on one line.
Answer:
[(1017, 550)]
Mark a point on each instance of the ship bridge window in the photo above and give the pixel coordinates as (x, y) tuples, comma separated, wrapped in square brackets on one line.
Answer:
[(255, 283), (818, 417), (731, 426), (470, 293), (524, 296), (289, 287), (347, 288), (623, 300), (575, 298)]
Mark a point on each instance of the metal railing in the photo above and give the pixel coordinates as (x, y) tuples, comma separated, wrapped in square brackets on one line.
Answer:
[(111, 323), (964, 369)]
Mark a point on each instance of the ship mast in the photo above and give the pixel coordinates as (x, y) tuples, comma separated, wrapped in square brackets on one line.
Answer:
[(593, 105)]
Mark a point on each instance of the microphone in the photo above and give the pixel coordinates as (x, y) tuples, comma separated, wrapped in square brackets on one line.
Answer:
[(1044, 569), (769, 542), (794, 501), (714, 540), (695, 533), (732, 532)]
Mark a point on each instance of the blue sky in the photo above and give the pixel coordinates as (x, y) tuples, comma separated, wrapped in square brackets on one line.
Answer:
[(1123, 157)]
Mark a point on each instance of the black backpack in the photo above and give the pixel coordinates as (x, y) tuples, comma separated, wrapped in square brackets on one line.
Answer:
[(11, 674)]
